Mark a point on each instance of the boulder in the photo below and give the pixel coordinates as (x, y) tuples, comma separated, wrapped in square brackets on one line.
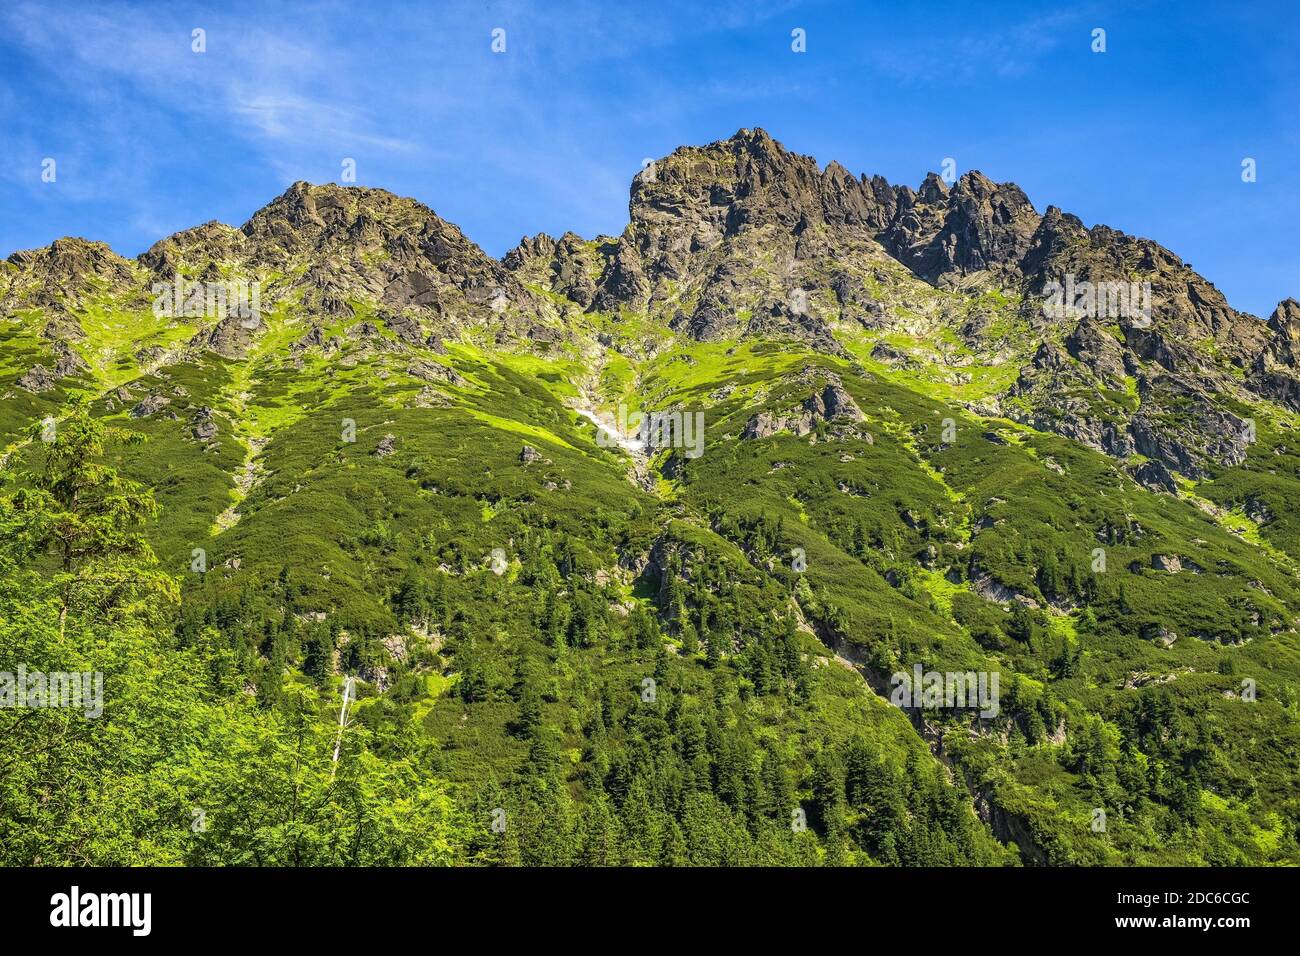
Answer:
[(36, 379)]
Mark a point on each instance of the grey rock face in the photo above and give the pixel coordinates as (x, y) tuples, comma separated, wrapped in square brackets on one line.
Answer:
[(37, 379), (1156, 476), (68, 361), (1258, 510), (1275, 372), (433, 372), (151, 405), (976, 226), (229, 338), (564, 266), (203, 425), (1169, 563), (1159, 634), (832, 403), (62, 327), (1097, 350)]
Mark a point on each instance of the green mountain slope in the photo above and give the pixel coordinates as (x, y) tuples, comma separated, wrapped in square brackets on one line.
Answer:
[(569, 649)]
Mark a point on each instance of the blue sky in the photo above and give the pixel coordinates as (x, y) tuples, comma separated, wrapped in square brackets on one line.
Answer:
[(150, 137)]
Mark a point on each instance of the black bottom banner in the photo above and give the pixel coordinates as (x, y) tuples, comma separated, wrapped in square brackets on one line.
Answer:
[(140, 906)]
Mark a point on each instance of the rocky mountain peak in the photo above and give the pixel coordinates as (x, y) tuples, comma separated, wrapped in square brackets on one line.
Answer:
[(336, 245), (195, 251), (66, 273), (1276, 370), (933, 189), (1286, 317), (332, 219), (976, 226)]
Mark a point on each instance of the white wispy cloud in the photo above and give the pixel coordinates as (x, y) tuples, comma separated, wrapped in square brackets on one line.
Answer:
[(947, 56)]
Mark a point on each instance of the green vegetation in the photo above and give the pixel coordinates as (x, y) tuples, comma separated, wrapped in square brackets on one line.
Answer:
[(564, 654)]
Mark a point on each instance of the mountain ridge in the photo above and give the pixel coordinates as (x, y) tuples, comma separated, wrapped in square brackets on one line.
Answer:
[(971, 188), (742, 238)]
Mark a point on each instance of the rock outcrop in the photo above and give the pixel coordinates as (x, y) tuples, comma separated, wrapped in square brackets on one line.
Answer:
[(831, 404)]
